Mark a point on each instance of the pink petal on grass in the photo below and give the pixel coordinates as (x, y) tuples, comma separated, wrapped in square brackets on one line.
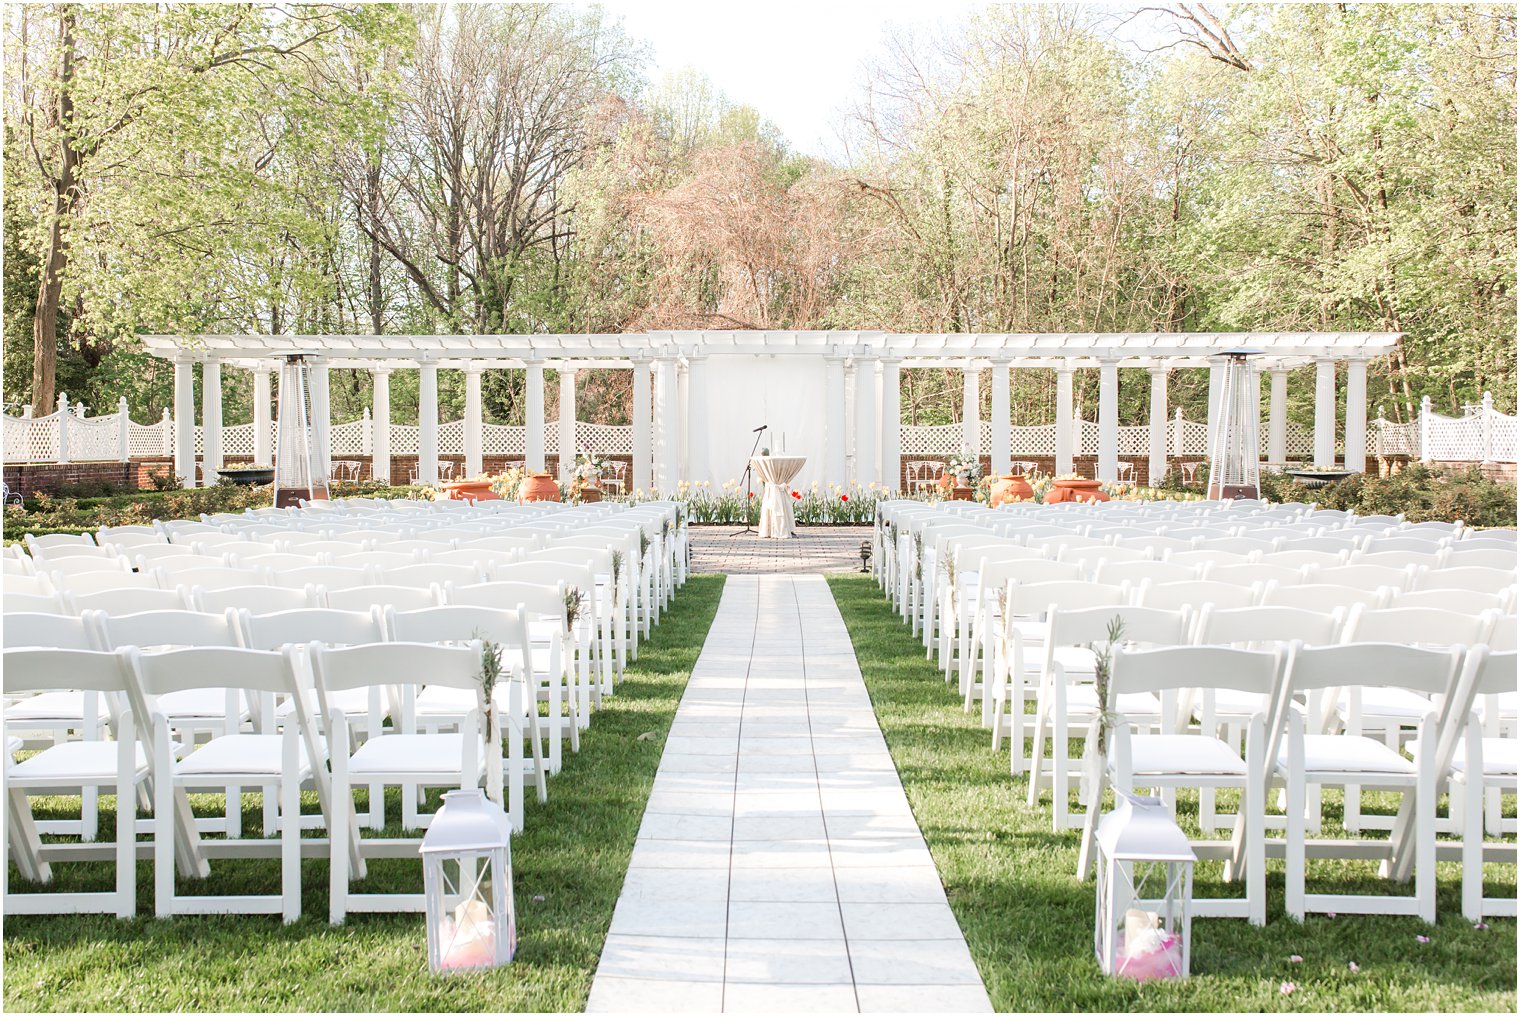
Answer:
[(1353, 967), (1422, 939), (1295, 958), (1287, 988), (1480, 926)]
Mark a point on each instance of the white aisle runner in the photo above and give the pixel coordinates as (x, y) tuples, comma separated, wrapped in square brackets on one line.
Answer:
[(779, 866)]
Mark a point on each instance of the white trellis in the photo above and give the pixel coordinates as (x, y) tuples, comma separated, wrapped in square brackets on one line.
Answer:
[(1481, 434)]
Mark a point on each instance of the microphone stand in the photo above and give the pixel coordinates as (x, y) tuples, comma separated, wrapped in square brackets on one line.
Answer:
[(749, 479)]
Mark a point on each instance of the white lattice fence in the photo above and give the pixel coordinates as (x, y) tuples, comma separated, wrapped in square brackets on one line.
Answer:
[(1505, 430), (404, 439), (604, 438), (939, 439), (148, 440), (499, 439), (95, 439), (1453, 440), (349, 438), (31, 439), (1388, 438), (451, 438)]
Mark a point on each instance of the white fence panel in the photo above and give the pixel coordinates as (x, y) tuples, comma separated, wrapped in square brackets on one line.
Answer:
[(94, 439), (31, 439), (603, 438)]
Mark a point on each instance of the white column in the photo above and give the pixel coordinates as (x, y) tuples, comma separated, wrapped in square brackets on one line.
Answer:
[(380, 422), (1216, 391), (971, 409), (1157, 464), (427, 423), (211, 419), (1108, 420), (474, 445), (668, 433), (64, 455), (321, 413), (1064, 443), (261, 411), (683, 423), (184, 421), (533, 444), (643, 443), (1277, 417), (1324, 413), (867, 421), (566, 447), (999, 451), (833, 420), (698, 468), (1356, 415), (123, 432), (891, 422)]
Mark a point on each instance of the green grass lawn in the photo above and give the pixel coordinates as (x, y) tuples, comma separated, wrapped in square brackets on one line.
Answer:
[(1029, 923), (569, 863)]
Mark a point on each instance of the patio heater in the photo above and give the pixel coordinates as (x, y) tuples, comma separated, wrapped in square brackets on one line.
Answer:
[(1235, 458), (298, 472)]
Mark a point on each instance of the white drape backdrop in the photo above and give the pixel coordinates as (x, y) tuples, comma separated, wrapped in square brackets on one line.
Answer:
[(743, 392)]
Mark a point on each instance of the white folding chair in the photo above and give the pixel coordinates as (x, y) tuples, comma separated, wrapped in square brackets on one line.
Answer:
[(402, 597), (254, 599), (72, 767), (279, 763), (394, 757)]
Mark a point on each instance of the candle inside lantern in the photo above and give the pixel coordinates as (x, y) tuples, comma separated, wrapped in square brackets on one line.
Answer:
[(1148, 952), (471, 935)]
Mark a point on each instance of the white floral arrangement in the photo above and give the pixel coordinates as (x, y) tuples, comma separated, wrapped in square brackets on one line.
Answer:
[(588, 468), (965, 466)]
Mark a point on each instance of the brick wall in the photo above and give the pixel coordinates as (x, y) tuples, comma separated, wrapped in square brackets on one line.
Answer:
[(1084, 465), (49, 478)]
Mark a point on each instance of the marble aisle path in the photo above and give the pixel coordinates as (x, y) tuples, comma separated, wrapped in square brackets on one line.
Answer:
[(778, 866)]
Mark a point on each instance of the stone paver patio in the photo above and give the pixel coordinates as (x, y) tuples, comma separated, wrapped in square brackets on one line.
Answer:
[(715, 549), (779, 866)]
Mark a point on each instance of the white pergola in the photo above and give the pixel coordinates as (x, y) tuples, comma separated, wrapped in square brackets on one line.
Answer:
[(709, 388)]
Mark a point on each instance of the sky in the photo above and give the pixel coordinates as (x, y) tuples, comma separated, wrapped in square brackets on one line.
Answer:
[(799, 65)]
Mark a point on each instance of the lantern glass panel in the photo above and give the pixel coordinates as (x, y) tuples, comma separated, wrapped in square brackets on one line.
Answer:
[(471, 924)]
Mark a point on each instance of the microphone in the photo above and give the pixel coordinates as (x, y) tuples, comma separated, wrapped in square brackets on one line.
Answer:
[(759, 429)]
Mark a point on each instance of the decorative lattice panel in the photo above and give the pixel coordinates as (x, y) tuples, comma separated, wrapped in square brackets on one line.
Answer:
[(1032, 440), (1449, 440), (237, 439), (1386, 438), (150, 440), (95, 439), (499, 439), (941, 439), (348, 438), (604, 439), (31, 440), (1503, 433), (404, 439)]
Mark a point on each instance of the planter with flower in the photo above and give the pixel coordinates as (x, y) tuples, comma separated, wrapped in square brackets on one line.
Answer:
[(1072, 487), (585, 479), (961, 474), (475, 488)]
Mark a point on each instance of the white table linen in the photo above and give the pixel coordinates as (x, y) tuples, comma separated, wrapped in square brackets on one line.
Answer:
[(776, 472)]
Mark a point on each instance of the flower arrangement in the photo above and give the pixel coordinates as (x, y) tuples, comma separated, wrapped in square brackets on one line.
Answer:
[(966, 466), (575, 600), (588, 468), (1103, 665)]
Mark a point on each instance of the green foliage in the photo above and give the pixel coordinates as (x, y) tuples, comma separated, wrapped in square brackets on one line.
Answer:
[(1419, 493)]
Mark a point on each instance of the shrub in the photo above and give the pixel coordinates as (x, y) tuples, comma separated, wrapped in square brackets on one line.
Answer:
[(1419, 493)]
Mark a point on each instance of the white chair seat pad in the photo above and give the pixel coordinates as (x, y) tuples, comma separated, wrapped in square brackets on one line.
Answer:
[(1076, 661), (74, 762), (1341, 753), (1397, 703), (240, 755), (198, 704), (1183, 754), (49, 705), (1501, 756), (1083, 699), (408, 753)]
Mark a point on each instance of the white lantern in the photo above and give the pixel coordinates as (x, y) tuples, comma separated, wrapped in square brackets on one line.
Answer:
[(467, 877), (1145, 892)]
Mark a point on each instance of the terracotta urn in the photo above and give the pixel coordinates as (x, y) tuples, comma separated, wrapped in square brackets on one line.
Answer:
[(478, 489), (538, 487), (1075, 490), (1009, 488)]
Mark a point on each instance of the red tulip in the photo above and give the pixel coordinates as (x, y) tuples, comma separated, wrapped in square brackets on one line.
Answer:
[(797, 495), (751, 493), (844, 497)]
